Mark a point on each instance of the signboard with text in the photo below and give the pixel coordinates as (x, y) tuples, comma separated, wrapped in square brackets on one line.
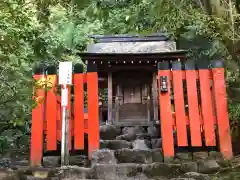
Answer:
[(65, 73)]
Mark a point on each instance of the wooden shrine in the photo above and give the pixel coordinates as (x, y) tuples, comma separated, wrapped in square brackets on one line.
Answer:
[(147, 81), (127, 68)]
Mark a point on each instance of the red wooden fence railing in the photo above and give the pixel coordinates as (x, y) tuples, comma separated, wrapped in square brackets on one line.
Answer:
[(46, 117), (37, 123), (207, 114), (207, 110)]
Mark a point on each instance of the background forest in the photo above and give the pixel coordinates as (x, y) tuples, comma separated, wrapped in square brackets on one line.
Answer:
[(56, 30)]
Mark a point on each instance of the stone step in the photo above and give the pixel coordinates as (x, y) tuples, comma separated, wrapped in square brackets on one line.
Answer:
[(115, 144), (147, 156), (54, 161), (107, 165), (129, 171), (141, 144), (106, 156), (111, 132), (135, 171)]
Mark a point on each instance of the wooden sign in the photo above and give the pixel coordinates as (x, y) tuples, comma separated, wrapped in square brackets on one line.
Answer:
[(65, 73)]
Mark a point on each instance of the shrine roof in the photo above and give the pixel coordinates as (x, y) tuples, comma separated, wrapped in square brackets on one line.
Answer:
[(124, 47), (171, 55), (129, 38)]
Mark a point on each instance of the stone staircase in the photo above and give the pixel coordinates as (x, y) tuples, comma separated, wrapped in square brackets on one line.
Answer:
[(135, 153)]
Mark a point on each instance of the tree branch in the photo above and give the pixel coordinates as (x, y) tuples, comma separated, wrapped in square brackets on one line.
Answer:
[(200, 4), (207, 6), (238, 6)]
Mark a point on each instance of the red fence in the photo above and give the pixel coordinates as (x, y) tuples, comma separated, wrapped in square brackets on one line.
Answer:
[(199, 100), (46, 117), (206, 105)]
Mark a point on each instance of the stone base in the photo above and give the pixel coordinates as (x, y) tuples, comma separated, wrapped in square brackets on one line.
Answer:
[(136, 153), (183, 169)]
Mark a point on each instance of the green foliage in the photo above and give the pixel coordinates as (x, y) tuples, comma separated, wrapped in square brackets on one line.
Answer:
[(50, 31), (234, 115)]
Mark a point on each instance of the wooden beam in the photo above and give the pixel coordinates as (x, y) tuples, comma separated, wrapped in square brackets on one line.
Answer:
[(155, 96), (117, 103), (148, 108), (118, 67), (148, 99), (110, 105)]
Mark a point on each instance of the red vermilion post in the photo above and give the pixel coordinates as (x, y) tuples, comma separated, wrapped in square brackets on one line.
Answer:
[(93, 111), (165, 108), (51, 110), (221, 108), (194, 117), (180, 116), (37, 120), (59, 118), (206, 102), (78, 82)]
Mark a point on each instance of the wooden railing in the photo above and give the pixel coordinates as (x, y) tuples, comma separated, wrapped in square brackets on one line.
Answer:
[(46, 117), (207, 110), (205, 113)]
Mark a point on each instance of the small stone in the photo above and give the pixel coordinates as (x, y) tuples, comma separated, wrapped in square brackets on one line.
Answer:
[(115, 144), (41, 174), (20, 163), (74, 172), (128, 170), (109, 132), (189, 167), (103, 156), (78, 160), (104, 171), (133, 130), (41, 171), (140, 144), (197, 176), (157, 155), (51, 161), (127, 137), (214, 155), (200, 155), (133, 156), (154, 132), (160, 169), (208, 166), (156, 143), (184, 156), (143, 136), (112, 172)]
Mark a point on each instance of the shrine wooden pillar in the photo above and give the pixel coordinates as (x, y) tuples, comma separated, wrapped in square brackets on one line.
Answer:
[(110, 100), (148, 101), (117, 103), (155, 97)]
